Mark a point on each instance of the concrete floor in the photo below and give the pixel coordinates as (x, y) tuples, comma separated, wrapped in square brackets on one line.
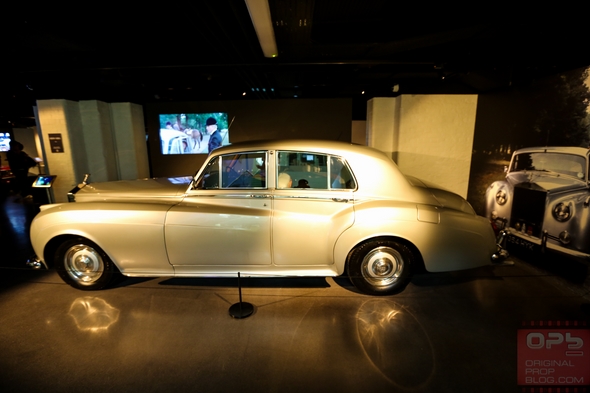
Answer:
[(452, 332)]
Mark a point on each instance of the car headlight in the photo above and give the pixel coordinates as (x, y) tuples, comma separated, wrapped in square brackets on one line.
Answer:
[(561, 212), (501, 197)]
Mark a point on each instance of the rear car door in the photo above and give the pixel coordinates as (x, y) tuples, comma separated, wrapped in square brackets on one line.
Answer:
[(313, 203)]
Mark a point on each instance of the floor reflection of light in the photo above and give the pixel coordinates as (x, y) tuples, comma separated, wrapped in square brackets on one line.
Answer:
[(395, 343), (93, 314), (18, 218)]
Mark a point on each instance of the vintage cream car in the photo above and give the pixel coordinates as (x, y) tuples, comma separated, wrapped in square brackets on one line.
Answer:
[(263, 209), (544, 201)]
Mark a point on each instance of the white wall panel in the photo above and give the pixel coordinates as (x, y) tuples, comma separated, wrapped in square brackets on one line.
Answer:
[(431, 136)]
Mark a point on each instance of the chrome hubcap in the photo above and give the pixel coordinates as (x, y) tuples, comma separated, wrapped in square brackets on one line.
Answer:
[(382, 266), (83, 264)]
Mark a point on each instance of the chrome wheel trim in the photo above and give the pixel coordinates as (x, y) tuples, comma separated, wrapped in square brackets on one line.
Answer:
[(382, 266), (83, 264)]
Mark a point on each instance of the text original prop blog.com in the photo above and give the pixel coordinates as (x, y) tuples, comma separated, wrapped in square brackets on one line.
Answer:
[(554, 354)]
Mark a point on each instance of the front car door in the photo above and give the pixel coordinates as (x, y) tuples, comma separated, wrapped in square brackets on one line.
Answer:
[(225, 217)]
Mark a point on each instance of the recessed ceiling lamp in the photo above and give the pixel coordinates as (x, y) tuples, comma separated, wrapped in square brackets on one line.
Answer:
[(260, 15)]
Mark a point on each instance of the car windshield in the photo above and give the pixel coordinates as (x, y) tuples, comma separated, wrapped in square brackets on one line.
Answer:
[(565, 164)]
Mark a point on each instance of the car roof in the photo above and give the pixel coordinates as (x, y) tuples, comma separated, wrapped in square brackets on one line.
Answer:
[(309, 145), (582, 151), (376, 173)]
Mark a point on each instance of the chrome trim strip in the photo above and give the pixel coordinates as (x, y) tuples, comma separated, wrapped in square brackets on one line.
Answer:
[(312, 198), (230, 196), (268, 196)]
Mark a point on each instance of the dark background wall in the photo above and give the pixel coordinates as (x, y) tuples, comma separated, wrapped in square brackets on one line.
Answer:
[(329, 119), (546, 112)]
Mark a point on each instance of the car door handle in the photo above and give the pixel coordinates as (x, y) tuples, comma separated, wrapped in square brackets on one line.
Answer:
[(340, 200), (259, 196)]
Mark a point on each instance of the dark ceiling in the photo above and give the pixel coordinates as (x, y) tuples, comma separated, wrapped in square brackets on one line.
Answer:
[(180, 50)]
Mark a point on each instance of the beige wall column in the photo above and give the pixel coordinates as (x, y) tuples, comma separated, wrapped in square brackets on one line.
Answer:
[(429, 136), (130, 140), (382, 124), (98, 138), (106, 140), (61, 120)]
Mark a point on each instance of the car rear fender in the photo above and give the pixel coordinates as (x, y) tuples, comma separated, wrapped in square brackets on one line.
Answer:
[(456, 241)]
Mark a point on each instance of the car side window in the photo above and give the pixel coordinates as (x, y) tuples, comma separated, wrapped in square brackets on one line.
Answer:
[(209, 179), (313, 171), (340, 174), (239, 170)]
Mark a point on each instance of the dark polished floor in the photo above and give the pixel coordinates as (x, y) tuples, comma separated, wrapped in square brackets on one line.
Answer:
[(452, 332)]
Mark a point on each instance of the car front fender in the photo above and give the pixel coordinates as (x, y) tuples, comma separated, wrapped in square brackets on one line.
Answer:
[(132, 235)]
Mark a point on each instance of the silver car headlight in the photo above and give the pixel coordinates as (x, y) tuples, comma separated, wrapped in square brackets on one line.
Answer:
[(501, 197), (561, 212)]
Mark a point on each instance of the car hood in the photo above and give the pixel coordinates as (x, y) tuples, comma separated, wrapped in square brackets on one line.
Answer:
[(444, 197), (550, 182), (144, 190)]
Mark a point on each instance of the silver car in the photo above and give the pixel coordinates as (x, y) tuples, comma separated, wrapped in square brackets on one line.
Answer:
[(263, 209), (543, 203)]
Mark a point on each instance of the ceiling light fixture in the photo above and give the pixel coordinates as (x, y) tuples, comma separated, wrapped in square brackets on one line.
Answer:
[(260, 15)]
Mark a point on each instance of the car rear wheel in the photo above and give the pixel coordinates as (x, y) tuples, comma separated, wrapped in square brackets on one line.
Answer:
[(380, 267), (84, 265)]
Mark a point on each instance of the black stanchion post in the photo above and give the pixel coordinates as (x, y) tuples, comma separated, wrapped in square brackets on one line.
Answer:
[(241, 309)]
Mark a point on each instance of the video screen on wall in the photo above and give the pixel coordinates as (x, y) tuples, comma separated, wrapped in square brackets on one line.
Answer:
[(193, 133), (4, 141)]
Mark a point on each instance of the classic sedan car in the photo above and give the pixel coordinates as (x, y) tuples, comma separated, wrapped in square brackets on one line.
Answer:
[(543, 203), (279, 208)]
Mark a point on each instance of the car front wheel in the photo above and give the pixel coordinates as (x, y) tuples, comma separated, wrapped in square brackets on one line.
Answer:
[(83, 265), (380, 267)]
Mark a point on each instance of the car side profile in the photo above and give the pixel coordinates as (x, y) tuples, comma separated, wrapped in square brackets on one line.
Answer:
[(544, 200), (266, 209)]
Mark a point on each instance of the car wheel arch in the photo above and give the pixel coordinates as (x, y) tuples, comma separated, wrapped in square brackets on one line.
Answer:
[(418, 262), (53, 244), (382, 265), (83, 264)]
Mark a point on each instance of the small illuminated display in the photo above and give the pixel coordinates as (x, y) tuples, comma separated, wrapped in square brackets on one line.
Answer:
[(4, 141), (44, 181)]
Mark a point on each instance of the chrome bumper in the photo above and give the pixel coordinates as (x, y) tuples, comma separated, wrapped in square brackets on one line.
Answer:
[(548, 246)]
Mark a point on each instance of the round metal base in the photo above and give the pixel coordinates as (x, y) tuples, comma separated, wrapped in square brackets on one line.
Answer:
[(241, 310)]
